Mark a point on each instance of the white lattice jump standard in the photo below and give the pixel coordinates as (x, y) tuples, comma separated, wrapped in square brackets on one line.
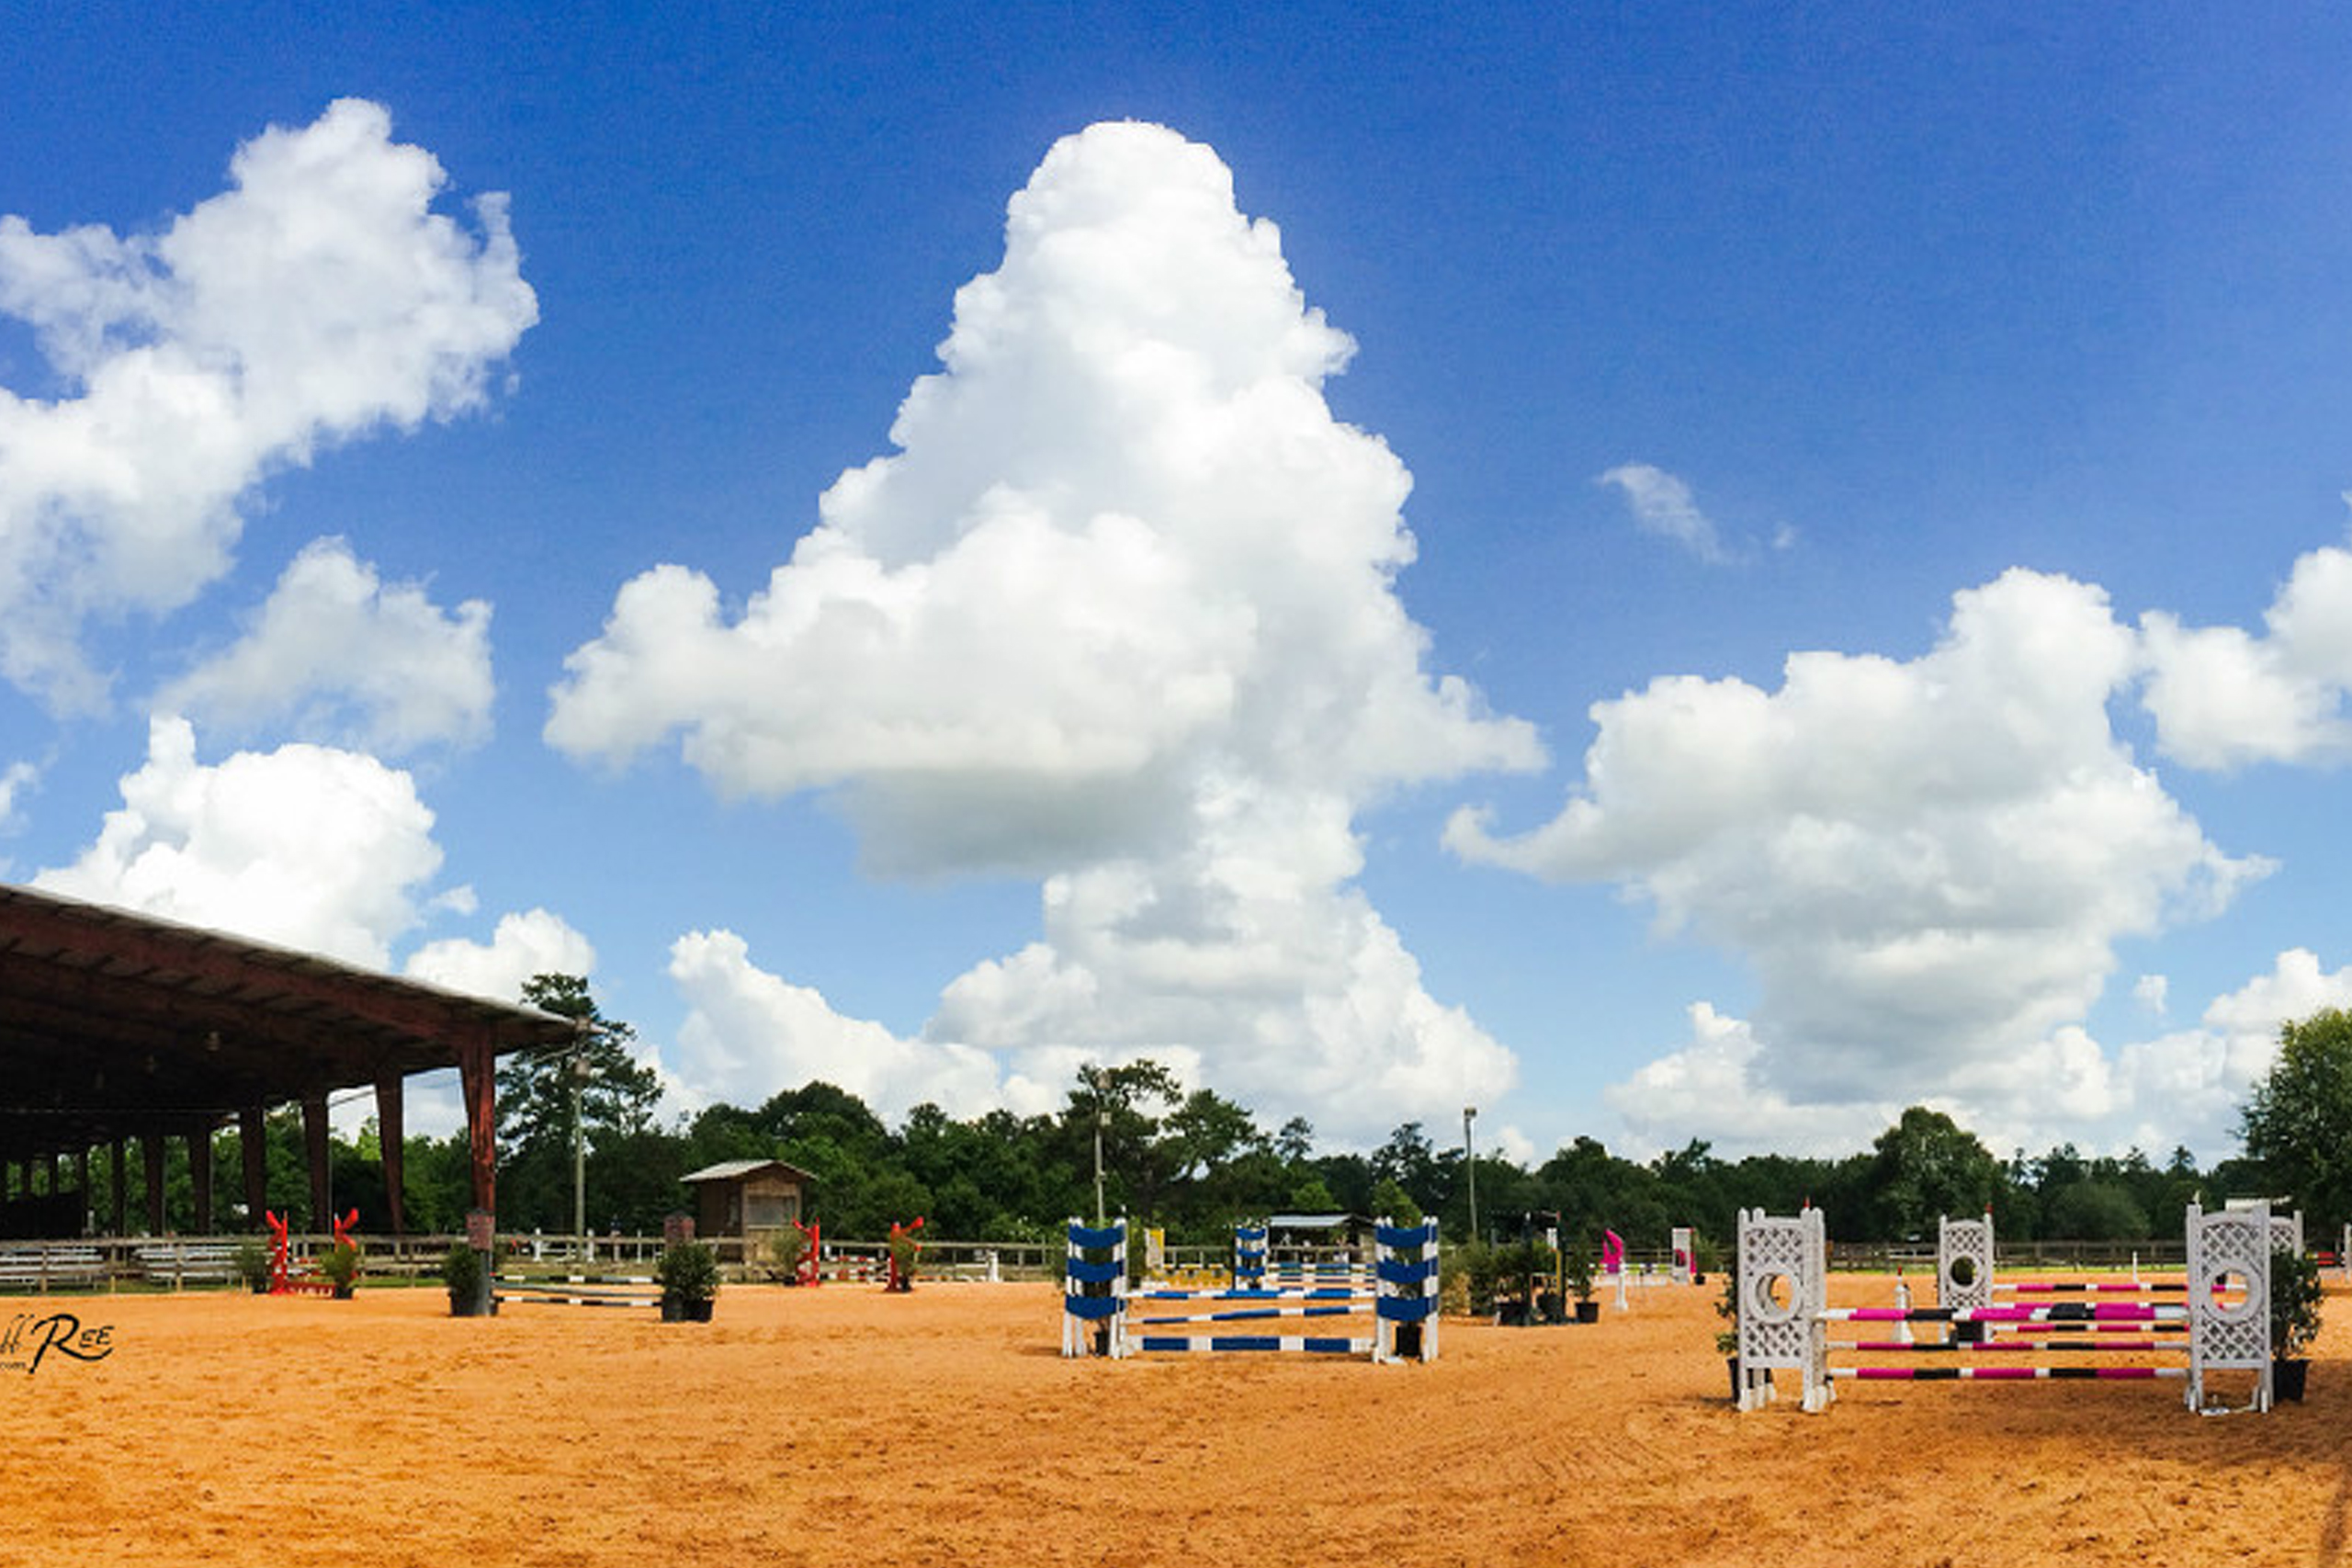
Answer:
[(2220, 1322)]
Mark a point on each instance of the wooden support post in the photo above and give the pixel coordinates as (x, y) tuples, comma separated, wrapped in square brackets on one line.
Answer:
[(388, 1137), (199, 1174), (119, 1224), (253, 1146), (81, 1173), (315, 1148), (478, 1074), (150, 1145)]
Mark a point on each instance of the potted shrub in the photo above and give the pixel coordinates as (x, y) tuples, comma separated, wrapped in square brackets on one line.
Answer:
[(462, 1272), (905, 1247), (689, 1272), (1543, 1285), (251, 1263), (785, 1251), (340, 1265), (1513, 1297), (2295, 1292), (1580, 1270), (1478, 1273)]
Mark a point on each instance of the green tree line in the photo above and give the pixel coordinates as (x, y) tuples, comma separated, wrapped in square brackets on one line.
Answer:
[(1194, 1161)]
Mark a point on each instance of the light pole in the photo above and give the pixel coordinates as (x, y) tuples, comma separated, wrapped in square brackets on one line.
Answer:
[(578, 1073), (1470, 1159), (1101, 1120)]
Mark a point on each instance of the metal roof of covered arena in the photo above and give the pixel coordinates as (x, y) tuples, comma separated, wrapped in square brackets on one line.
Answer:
[(114, 1024)]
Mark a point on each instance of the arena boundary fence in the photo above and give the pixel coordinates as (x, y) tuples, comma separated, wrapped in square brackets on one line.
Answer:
[(2220, 1322)]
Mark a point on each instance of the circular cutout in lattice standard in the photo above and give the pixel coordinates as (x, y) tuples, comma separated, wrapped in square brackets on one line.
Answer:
[(2233, 1296), (1772, 1298), (1961, 1273)]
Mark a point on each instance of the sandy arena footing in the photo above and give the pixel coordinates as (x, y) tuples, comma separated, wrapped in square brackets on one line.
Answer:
[(844, 1426)]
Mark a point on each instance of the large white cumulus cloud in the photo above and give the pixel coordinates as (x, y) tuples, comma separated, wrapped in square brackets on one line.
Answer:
[(1929, 864), (1120, 612), (306, 846), (316, 298)]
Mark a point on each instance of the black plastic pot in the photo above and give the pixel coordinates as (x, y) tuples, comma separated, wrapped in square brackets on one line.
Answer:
[(2287, 1376), (1588, 1312), (1731, 1364)]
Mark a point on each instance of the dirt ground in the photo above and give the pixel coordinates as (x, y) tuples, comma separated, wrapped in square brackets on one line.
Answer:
[(841, 1426)]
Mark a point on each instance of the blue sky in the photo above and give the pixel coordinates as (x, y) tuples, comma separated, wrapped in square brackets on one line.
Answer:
[(1665, 573)]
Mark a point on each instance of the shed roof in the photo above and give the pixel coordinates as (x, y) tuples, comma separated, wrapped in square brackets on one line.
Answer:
[(114, 1024), (734, 1170)]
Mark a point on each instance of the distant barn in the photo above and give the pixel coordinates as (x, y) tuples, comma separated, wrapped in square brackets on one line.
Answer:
[(750, 1199)]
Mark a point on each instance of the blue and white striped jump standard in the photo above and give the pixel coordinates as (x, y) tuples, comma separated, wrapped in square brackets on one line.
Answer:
[(1400, 1295)]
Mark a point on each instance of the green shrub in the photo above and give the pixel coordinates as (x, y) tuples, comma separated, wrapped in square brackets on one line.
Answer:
[(1727, 1309), (2295, 1294), (340, 1264), (1579, 1271), (688, 1271), (461, 1272)]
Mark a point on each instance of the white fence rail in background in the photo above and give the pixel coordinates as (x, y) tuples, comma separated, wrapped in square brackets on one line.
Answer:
[(171, 1263)]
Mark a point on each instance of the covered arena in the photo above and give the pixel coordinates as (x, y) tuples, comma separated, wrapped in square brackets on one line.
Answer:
[(119, 1029)]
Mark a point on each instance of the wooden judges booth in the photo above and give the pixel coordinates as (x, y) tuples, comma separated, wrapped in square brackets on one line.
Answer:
[(749, 1200)]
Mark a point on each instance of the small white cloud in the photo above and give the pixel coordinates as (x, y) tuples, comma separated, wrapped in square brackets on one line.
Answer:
[(1708, 1089), (1508, 1142), (306, 846), (532, 942), (336, 656), (319, 298), (2150, 991), (2223, 697), (1664, 505), (748, 1033), (15, 780)]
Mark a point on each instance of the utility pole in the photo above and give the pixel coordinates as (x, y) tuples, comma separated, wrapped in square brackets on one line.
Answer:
[(1470, 1159), (578, 1073)]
